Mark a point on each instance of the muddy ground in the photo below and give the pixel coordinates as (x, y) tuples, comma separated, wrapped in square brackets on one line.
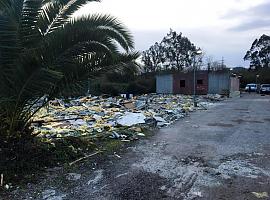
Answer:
[(221, 153)]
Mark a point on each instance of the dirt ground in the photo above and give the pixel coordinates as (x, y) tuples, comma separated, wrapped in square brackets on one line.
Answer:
[(221, 153)]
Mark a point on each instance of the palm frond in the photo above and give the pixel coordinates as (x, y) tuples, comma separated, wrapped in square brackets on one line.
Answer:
[(29, 32), (84, 33), (9, 41), (55, 14), (47, 21), (11, 8), (110, 25)]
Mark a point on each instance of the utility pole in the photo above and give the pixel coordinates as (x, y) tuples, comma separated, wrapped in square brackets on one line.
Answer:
[(222, 62), (194, 81), (196, 53)]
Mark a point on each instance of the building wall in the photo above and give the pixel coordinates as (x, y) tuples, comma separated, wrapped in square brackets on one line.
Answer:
[(219, 82), (206, 83), (188, 87), (235, 84), (164, 84)]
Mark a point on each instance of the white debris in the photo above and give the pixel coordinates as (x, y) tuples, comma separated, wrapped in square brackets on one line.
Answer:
[(241, 168), (159, 119), (214, 97), (60, 197), (48, 193), (97, 116), (141, 134), (98, 177), (73, 176), (120, 175), (78, 122), (7, 186), (116, 155), (130, 119), (261, 195), (196, 194)]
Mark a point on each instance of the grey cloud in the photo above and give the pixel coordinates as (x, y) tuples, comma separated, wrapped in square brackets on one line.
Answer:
[(261, 11), (251, 25), (253, 18)]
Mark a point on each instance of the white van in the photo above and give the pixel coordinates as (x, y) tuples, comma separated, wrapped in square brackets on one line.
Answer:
[(253, 87)]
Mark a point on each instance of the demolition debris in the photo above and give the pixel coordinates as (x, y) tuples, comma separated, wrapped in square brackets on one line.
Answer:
[(116, 118)]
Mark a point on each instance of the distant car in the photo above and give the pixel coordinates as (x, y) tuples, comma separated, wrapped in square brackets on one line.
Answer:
[(265, 89), (253, 87)]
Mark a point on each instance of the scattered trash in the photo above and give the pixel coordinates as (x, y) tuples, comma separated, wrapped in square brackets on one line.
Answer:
[(141, 134), (98, 177), (136, 129), (125, 140), (197, 194), (48, 193), (73, 176), (116, 118), (116, 155), (7, 186), (130, 119), (159, 119), (120, 175), (242, 168), (260, 195), (83, 158), (127, 96), (163, 187), (1, 180), (129, 105), (214, 97)]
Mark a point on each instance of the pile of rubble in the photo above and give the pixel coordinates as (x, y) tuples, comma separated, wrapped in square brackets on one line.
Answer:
[(112, 117)]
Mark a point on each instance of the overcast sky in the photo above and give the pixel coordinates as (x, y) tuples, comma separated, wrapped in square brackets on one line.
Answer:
[(220, 27)]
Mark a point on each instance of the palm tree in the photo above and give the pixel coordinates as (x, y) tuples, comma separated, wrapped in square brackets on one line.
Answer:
[(44, 50)]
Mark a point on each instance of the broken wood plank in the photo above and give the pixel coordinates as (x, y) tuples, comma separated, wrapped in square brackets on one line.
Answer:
[(85, 157), (2, 180)]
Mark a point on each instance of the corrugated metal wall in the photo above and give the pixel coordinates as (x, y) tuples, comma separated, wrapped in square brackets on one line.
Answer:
[(218, 83), (164, 84)]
